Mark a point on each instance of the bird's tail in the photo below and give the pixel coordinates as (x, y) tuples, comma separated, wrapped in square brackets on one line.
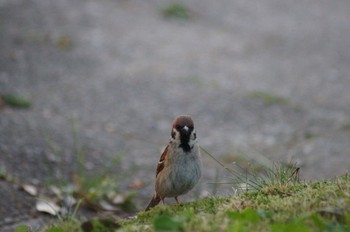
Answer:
[(154, 201)]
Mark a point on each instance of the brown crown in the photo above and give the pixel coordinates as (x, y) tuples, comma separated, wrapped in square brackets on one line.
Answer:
[(183, 120)]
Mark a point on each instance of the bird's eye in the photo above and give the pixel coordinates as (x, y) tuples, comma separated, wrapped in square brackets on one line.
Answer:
[(173, 134), (194, 135)]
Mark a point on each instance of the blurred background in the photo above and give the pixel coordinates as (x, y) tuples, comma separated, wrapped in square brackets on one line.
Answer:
[(89, 90)]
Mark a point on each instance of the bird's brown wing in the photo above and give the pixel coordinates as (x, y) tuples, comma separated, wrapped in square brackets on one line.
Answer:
[(161, 164)]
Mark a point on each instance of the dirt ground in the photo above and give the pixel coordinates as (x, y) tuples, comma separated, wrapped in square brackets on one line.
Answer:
[(263, 79)]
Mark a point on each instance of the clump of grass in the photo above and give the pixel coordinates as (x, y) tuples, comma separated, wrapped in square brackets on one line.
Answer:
[(99, 191), (176, 11), (169, 223), (304, 201), (93, 188), (268, 98), (15, 101), (70, 224), (278, 176), (94, 225), (253, 178), (100, 225)]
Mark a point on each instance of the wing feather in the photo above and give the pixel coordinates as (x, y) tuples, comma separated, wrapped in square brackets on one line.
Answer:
[(161, 164)]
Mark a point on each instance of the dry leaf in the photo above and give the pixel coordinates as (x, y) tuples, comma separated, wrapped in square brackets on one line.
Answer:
[(32, 190), (47, 206), (70, 200), (55, 190), (118, 199), (107, 206)]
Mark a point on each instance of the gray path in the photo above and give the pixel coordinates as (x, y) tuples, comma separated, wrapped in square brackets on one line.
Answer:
[(123, 72)]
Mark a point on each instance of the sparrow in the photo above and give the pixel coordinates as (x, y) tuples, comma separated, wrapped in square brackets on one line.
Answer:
[(179, 168)]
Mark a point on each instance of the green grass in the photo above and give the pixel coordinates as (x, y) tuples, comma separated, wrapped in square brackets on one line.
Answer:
[(314, 206), (22, 228), (73, 225), (15, 101), (65, 225), (176, 11)]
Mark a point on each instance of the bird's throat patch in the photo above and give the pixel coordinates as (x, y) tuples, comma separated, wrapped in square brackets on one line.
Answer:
[(185, 147)]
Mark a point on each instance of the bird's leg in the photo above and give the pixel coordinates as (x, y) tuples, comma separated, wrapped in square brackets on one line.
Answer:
[(177, 201), (162, 199)]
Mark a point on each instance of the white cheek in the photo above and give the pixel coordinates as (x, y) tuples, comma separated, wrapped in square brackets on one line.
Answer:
[(177, 135)]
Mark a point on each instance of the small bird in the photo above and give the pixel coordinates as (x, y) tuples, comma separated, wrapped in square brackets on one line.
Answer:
[(179, 168)]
